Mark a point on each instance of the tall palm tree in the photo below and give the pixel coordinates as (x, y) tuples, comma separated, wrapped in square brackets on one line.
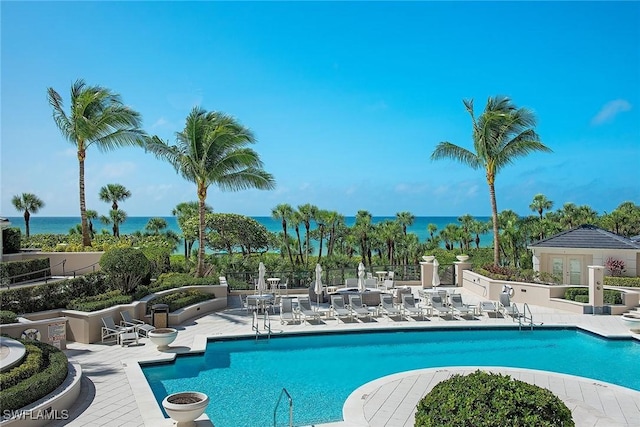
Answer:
[(91, 215), (500, 134), (154, 225), (405, 219), (284, 212), (97, 117), (183, 211), (212, 150), (306, 213), (29, 203), (432, 228), (114, 193), (115, 218), (540, 204)]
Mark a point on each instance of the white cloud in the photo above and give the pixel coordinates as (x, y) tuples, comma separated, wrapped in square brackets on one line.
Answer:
[(160, 123), (610, 110)]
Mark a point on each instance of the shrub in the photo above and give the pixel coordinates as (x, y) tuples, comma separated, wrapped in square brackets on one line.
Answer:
[(546, 277), (7, 316), (30, 365), (25, 270), (582, 298), (11, 240), (177, 280), (126, 267), (615, 266), (610, 296), (179, 300), (49, 376), (485, 399), (628, 282), (98, 302)]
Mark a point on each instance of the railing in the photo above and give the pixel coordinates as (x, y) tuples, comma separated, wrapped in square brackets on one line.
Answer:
[(275, 410), (8, 281), (523, 318), (266, 325)]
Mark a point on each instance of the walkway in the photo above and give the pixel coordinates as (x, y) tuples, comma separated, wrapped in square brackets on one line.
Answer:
[(111, 398)]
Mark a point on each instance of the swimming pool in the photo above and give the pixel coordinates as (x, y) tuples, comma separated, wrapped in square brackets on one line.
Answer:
[(244, 378)]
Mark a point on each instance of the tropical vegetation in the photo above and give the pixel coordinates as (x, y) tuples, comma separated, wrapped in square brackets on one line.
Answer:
[(97, 116), (502, 133), (30, 204)]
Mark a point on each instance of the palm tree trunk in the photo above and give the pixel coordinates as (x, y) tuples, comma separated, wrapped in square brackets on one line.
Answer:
[(494, 216), (27, 215), (286, 241), (297, 228), (86, 237), (202, 195)]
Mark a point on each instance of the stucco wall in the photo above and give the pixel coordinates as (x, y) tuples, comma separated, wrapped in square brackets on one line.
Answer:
[(542, 258), (74, 262)]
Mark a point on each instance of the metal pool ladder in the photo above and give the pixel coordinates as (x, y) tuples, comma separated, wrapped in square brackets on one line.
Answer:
[(266, 325), (275, 410), (523, 318)]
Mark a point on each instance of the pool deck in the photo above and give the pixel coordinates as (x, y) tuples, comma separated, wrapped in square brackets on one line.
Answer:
[(114, 392)]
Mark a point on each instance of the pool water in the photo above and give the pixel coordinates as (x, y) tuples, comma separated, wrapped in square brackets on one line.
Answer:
[(244, 378)]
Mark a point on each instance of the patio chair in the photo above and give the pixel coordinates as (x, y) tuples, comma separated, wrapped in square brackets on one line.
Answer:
[(388, 307), (287, 314), (371, 283), (357, 308), (506, 307), (110, 329), (460, 308), (140, 326), (351, 282), (489, 307), (305, 310), (338, 307), (387, 284), (440, 307), (409, 306)]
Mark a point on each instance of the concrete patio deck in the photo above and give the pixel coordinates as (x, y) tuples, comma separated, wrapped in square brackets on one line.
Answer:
[(113, 394)]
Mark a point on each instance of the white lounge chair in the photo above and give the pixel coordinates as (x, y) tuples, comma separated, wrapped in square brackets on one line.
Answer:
[(388, 307), (357, 308), (287, 314), (371, 283), (506, 307), (387, 284), (351, 282), (339, 309), (440, 307), (460, 308), (139, 326), (409, 306), (110, 329), (489, 307), (305, 310)]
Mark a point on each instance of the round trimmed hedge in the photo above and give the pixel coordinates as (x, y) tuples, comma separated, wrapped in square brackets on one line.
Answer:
[(484, 399)]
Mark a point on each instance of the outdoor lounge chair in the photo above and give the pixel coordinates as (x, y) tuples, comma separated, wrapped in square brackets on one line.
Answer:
[(351, 282), (305, 310), (357, 308), (140, 327), (387, 284), (371, 283), (460, 308), (388, 307), (287, 314), (110, 329), (338, 307), (440, 307), (409, 306), (506, 307), (489, 307)]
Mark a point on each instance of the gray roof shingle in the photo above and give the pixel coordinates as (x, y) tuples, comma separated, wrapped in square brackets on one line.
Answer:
[(587, 237)]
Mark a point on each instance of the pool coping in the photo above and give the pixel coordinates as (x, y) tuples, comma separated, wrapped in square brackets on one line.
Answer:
[(152, 413)]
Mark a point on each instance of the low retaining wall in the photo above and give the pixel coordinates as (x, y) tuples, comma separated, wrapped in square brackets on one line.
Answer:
[(51, 328), (76, 263), (551, 296)]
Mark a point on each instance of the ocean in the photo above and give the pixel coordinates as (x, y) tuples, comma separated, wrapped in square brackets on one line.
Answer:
[(62, 224)]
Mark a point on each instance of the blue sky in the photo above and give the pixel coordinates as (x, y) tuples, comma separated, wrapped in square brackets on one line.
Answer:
[(347, 100)]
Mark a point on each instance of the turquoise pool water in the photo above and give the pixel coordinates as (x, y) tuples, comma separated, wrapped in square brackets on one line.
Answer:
[(244, 378)]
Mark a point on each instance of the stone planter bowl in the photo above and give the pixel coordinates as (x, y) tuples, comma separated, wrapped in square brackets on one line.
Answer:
[(163, 337), (631, 321), (185, 407), (462, 258), (428, 258)]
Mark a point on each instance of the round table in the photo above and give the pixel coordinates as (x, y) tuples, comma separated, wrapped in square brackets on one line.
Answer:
[(260, 301)]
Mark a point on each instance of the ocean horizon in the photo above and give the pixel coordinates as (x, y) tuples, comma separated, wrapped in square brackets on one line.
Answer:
[(62, 224)]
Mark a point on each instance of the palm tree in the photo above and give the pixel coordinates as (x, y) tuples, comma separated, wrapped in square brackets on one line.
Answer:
[(115, 218), (405, 219), (502, 133), (154, 225), (97, 117), (284, 212), (91, 215), (29, 203), (540, 203), (183, 211), (212, 149), (432, 228), (306, 213), (114, 193)]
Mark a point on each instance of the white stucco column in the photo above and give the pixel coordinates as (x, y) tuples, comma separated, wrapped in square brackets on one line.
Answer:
[(596, 288), (460, 266), (426, 274)]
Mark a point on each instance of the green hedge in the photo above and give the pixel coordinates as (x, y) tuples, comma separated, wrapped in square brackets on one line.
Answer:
[(483, 399), (30, 365), (610, 296), (7, 317), (52, 295), (51, 374), (179, 300), (629, 282), (176, 280), (10, 269), (11, 240), (98, 302)]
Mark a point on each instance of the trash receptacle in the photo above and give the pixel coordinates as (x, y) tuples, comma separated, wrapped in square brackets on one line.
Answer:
[(160, 315)]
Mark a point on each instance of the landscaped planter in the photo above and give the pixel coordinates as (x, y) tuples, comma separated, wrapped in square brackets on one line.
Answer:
[(163, 337), (185, 407), (462, 258)]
